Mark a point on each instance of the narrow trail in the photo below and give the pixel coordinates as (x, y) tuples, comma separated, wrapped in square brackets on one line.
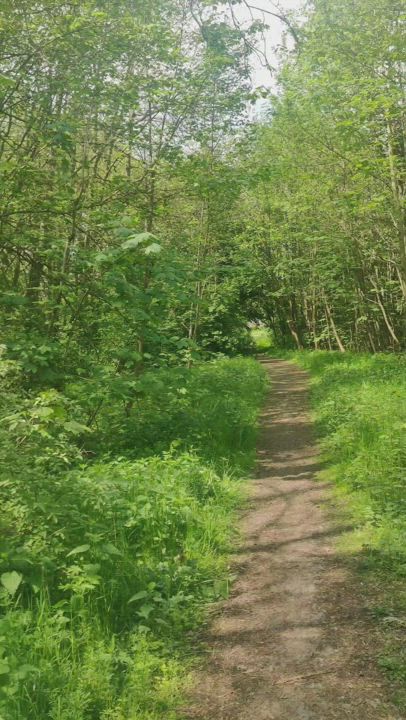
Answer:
[(294, 641)]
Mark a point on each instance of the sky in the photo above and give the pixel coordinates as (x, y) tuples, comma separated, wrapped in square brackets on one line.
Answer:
[(273, 36)]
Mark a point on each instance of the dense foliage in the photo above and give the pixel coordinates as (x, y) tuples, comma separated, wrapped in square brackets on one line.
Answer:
[(119, 454), (361, 411), (105, 564), (114, 120), (324, 207), (146, 220)]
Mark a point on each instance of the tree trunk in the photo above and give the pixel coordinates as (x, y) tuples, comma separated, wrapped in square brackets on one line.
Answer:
[(333, 326)]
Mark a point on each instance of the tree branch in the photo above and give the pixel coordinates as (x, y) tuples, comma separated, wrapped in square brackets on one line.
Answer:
[(280, 16)]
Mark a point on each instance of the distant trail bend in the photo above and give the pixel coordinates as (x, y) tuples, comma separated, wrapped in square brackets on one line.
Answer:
[(293, 642)]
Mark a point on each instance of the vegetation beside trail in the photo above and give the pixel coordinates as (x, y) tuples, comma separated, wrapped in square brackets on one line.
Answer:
[(360, 409), (323, 215), (148, 218), (107, 563)]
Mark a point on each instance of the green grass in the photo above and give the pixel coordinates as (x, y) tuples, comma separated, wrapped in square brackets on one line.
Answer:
[(359, 403), (262, 338), (109, 556), (211, 407)]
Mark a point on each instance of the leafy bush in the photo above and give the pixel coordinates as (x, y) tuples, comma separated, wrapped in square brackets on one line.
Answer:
[(120, 547), (105, 564), (211, 407)]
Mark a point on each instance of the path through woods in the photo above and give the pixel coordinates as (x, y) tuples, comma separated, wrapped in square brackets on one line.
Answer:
[(294, 641)]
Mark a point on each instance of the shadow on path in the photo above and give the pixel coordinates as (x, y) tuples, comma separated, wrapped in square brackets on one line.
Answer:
[(286, 645)]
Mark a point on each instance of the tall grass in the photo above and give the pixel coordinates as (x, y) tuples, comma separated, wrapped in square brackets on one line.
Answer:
[(211, 408), (360, 403), (107, 566)]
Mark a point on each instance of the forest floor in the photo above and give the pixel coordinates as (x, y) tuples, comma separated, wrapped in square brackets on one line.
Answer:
[(294, 641)]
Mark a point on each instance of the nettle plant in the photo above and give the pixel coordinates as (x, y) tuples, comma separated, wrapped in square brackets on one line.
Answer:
[(45, 427)]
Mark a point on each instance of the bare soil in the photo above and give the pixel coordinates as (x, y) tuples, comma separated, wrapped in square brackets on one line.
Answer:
[(294, 641)]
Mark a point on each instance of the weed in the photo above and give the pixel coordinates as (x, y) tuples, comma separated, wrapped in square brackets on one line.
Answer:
[(106, 564)]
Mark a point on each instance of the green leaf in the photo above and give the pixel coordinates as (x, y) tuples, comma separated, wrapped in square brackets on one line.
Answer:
[(137, 239), (138, 596), (102, 257), (4, 667), (79, 549), (25, 671), (75, 427), (153, 249), (11, 581), (145, 611), (111, 549), (43, 412)]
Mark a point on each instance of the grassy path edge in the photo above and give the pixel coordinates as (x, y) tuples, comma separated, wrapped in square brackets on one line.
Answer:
[(359, 407)]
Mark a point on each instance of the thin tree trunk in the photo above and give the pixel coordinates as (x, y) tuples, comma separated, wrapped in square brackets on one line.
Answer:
[(384, 313), (398, 199), (333, 326)]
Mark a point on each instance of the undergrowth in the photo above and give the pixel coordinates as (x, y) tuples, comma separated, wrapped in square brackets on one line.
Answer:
[(115, 537), (262, 339)]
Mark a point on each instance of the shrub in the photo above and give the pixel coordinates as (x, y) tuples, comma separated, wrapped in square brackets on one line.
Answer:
[(106, 564)]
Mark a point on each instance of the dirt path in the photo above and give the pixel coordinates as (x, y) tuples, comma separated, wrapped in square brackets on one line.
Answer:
[(293, 642)]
